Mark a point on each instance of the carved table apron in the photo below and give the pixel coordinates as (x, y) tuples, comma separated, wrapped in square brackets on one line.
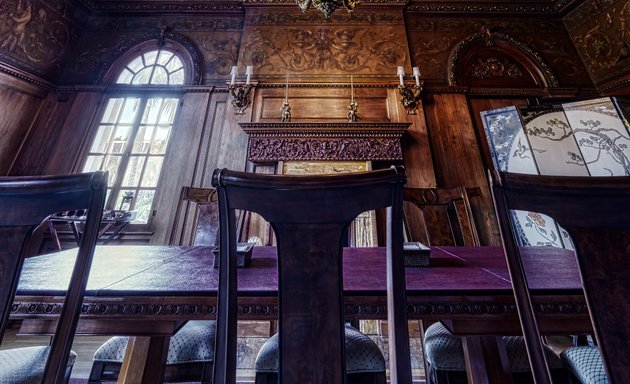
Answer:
[(150, 290)]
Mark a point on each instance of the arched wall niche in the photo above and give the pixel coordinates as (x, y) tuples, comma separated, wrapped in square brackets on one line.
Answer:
[(176, 43), (495, 60)]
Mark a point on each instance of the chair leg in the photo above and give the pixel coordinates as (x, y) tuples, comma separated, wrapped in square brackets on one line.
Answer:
[(96, 373), (207, 371)]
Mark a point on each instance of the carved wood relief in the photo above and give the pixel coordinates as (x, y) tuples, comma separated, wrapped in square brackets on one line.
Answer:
[(269, 142), (34, 36), (433, 38), (368, 45), (601, 33)]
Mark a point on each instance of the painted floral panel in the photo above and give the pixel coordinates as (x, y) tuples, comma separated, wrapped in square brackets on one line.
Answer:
[(603, 139), (552, 142), (506, 138)]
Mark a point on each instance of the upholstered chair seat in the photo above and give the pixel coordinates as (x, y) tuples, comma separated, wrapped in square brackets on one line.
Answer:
[(193, 343), (362, 355), (445, 353), (585, 363), (26, 365)]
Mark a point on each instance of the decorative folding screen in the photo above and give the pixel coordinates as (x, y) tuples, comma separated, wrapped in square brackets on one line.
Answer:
[(586, 138)]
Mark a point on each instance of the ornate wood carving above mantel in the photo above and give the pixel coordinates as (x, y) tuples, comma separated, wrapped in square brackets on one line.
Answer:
[(269, 142)]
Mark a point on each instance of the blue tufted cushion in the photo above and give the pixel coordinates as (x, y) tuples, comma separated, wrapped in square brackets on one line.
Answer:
[(445, 352), (194, 342), (25, 365), (586, 364), (362, 354)]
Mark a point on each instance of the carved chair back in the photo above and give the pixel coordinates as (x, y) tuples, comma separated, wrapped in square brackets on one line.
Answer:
[(440, 216), (594, 211), (309, 215), (25, 202)]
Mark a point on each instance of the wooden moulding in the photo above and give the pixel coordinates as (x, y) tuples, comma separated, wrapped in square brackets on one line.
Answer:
[(270, 142)]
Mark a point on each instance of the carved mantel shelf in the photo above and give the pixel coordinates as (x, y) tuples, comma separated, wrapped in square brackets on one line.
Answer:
[(269, 142)]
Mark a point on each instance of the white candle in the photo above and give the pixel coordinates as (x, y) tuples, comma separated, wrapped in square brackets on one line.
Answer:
[(286, 90), (233, 73), (401, 74), (416, 74), (249, 72), (352, 88)]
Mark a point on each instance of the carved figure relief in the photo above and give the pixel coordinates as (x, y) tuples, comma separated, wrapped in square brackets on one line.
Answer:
[(428, 53), (219, 54), (28, 33), (347, 49)]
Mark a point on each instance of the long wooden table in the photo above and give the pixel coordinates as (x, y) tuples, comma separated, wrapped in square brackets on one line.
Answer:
[(150, 290)]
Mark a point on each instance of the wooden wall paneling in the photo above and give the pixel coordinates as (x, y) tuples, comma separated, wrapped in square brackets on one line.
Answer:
[(76, 132), (322, 102), (181, 162), (416, 146), (37, 155), (19, 104), (457, 157)]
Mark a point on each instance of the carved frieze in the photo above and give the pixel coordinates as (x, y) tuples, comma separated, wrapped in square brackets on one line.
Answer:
[(269, 142), (320, 49), (267, 309), (494, 67)]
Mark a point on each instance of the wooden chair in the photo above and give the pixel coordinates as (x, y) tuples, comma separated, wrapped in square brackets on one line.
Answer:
[(309, 215), (25, 202), (595, 212), (191, 349), (446, 218), (445, 215)]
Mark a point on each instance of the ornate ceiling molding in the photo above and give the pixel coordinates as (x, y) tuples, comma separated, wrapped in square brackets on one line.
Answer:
[(496, 7), (157, 6), (270, 142)]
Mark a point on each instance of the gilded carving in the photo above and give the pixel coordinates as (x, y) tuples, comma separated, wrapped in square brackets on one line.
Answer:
[(31, 34), (319, 48)]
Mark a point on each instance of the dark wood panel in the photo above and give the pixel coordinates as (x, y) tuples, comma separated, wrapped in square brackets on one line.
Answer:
[(457, 157)]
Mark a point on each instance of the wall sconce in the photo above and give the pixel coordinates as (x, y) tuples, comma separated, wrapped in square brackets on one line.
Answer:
[(410, 93), (240, 91)]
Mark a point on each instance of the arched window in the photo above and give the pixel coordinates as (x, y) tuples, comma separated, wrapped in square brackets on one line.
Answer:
[(134, 130)]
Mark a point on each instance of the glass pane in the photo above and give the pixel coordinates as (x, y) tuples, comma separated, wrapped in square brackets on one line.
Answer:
[(119, 141), (150, 58), (143, 139), (177, 77), (112, 110), (93, 163), (174, 65), (152, 171), (125, 77), (160, 76), (111, 165), (158, 146), (143, 76), (169, 107), (130, 110), (99, 144), (144, 201), (165, 57), (119, 198), (136, 64), (134, 171), (152, 110)]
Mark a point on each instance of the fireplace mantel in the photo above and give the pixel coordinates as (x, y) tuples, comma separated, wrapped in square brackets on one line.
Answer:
[(269, 142)]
